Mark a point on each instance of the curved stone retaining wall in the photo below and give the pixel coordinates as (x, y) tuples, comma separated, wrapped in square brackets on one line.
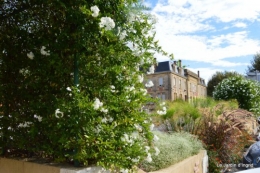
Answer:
[(195, 164)]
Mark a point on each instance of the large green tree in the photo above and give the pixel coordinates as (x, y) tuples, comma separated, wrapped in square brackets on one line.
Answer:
[(255, 63), (217, 78), (46, 49)]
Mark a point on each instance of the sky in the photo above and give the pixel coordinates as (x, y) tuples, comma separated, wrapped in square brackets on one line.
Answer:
[(208, 35)]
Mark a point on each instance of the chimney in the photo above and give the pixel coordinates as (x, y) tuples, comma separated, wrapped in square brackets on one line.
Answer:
[(180, 63), (199, 74), (155, 64)]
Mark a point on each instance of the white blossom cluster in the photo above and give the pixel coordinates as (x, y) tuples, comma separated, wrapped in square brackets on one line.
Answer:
[(44, 52), (25, 124), (144, 91), (151, 70), (95, 11), (129, 140), (113, 88), (124, 170), (30, 55), (130, 88), (149, 84), (122, 34), (157, 151), (107, 23), (140, 78), (24, 71), (39, 118), (162, 112), (97, 104), (98, 129), (147, 149), (148, 158), (138, 127), (68, 89), (131, 17), (107, 119), (58, 113)]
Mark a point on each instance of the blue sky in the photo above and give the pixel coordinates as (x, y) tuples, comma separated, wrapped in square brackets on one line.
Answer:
[(208, 35)]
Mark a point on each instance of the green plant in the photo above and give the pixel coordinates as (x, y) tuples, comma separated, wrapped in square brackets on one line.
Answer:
[(217, 78), (223, 138), (246, 92), (70, 83), (181, 115), (173, 148)]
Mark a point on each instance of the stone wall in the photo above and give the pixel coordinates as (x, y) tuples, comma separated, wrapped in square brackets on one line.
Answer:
[(194, 164)]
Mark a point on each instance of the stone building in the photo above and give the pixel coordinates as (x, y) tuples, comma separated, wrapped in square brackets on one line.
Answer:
[(255, 75), (172, 82)]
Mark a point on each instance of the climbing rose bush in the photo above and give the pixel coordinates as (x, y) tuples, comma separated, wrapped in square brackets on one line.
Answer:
[(245, 91), (53, 47)]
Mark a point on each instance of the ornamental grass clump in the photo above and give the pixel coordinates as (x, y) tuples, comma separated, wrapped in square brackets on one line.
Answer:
[(173, 148), (224, 139), (181, 115)]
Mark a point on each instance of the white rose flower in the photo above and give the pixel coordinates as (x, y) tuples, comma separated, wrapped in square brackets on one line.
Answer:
[(107, 23), (30, 55), (95, 11), (44, 52)]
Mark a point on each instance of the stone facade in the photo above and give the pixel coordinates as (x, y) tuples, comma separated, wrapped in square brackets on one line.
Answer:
[(172, 82)]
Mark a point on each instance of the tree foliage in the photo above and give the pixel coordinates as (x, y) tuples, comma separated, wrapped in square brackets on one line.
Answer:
[(255, 63), (43, 45), (246, 92), (217, 78)]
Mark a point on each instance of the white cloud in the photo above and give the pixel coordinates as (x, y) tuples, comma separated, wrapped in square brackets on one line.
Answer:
[(240, 25), (206, 49), (190, 29), (228, 64), (225, 11)]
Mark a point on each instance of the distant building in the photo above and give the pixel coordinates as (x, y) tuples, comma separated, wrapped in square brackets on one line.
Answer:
[(172, 82), (253, 75)]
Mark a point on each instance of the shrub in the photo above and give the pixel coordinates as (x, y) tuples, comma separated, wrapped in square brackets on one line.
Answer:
[(217, 78), (173, 148), (246, 92), (43, 59)]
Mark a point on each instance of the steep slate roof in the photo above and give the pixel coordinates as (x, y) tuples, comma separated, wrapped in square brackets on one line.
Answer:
[(191, 73), (163, 66)]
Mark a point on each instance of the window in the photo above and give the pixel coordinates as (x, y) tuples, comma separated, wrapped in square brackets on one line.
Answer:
[(174, 82), (160, 81), (180, 83), (163, 96)]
